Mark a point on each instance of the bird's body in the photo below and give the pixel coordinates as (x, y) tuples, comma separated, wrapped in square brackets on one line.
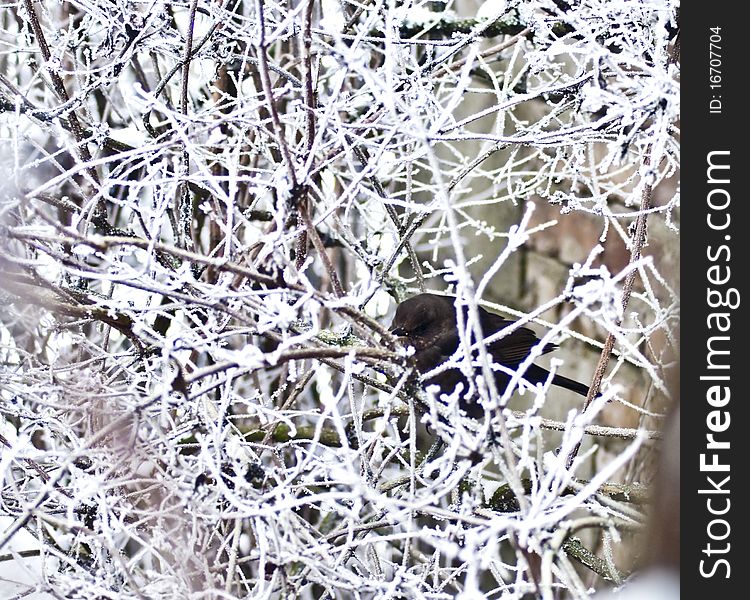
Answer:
[(428, 323)]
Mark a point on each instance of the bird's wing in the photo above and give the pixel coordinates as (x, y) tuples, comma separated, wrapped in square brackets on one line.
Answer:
[(513, 348), (438, 351)]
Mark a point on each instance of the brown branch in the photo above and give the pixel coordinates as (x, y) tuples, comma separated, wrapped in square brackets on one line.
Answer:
[(505, 500), (448, 28), (187, 57), (575, 549), (400, 228), (77, 305), (308, 76), (638, 241), (282, 433), (312, 233), (36, 467), (57, 83), (268, 93)]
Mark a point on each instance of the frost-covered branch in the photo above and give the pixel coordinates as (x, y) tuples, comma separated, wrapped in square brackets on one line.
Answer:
[(208, 212)]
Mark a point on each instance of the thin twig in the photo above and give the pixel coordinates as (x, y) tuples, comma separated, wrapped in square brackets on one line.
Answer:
[(638, 241)]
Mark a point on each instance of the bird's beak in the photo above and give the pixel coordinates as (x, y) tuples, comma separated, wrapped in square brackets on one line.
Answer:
[(397, 331)]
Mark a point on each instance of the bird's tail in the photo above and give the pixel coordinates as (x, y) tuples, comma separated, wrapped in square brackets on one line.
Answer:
[(537, 374), (571, 384)]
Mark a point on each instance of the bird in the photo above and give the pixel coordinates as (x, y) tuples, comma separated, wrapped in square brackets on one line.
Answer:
[(428, 323)]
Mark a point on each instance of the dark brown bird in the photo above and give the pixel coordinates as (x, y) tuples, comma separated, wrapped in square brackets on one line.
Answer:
[(428, 322)]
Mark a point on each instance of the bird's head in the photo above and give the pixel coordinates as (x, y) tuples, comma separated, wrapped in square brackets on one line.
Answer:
[(422, 318)]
